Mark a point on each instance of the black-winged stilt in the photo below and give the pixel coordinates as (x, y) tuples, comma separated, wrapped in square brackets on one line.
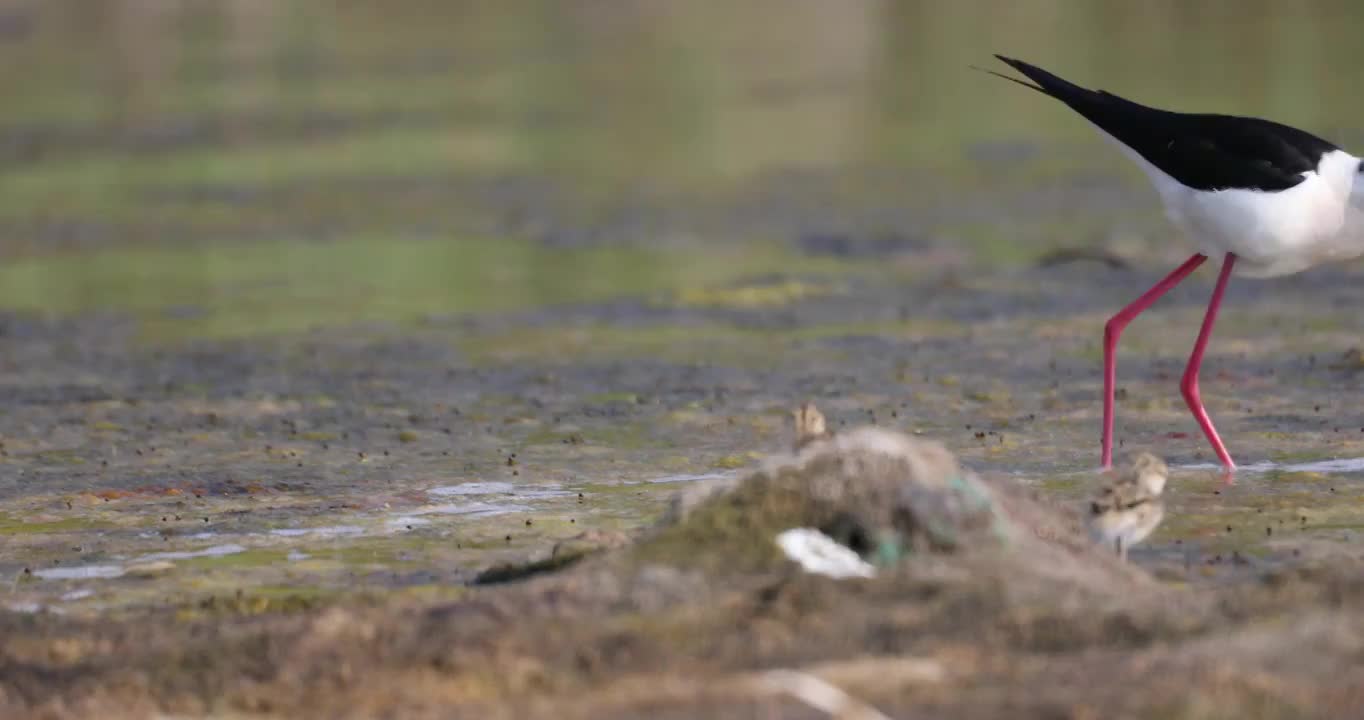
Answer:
[(1271, 199)]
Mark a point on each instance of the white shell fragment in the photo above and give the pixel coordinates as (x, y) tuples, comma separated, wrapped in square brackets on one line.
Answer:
[(818, 553)]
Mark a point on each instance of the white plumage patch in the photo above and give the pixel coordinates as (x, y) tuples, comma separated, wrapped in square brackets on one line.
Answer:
[(1271, 233)]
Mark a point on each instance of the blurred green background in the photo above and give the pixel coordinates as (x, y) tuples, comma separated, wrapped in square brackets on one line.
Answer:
[(237, 167)]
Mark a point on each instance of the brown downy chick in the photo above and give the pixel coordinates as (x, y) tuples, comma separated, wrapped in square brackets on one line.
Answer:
[(810, 426), (1128, 508)]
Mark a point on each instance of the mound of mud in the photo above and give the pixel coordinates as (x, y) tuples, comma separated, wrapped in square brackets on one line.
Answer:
[(894, 499), (987, 602)]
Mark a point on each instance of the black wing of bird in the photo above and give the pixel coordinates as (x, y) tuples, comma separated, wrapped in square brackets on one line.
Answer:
[(1202, 151)]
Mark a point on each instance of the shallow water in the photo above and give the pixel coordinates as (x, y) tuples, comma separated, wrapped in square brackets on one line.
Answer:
[(236, 168), (376, 301), (1335, 466)]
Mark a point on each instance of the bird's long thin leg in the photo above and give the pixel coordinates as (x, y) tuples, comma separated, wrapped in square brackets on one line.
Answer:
[(1113, 329), (1189, 385)]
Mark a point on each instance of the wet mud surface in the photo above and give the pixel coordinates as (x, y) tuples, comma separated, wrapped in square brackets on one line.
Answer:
[(459, 575), (226, 486)]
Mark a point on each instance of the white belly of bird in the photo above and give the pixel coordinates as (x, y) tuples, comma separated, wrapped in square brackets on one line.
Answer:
[(1271, 233), (1132, 526)]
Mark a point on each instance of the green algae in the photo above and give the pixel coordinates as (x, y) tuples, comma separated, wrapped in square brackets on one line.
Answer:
[(385, 552), (249, 558), (279, 287), (104, 184), (605, 398), (259, 601), (11, 525), (710, 342), (732, 462), (61, 457), (750, 296), (743, 529)]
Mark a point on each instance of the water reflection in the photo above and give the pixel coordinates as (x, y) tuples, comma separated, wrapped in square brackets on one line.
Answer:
[(1335, 466), (648, 88), (194, 124)]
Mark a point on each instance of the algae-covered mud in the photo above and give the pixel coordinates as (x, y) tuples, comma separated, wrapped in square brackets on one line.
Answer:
[(352, 360)]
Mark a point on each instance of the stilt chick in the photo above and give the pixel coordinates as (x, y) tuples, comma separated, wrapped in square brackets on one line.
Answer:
[(810, 426), (1128, 508)]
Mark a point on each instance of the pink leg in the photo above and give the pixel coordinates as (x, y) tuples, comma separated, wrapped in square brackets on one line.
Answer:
[(1113, 329), (1189, 385)]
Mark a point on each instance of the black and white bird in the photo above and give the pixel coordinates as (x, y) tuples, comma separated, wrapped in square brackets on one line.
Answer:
[(1272, 200)]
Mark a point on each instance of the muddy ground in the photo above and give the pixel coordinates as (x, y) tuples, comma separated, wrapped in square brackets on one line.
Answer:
[(297, 526), (335, 343)]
